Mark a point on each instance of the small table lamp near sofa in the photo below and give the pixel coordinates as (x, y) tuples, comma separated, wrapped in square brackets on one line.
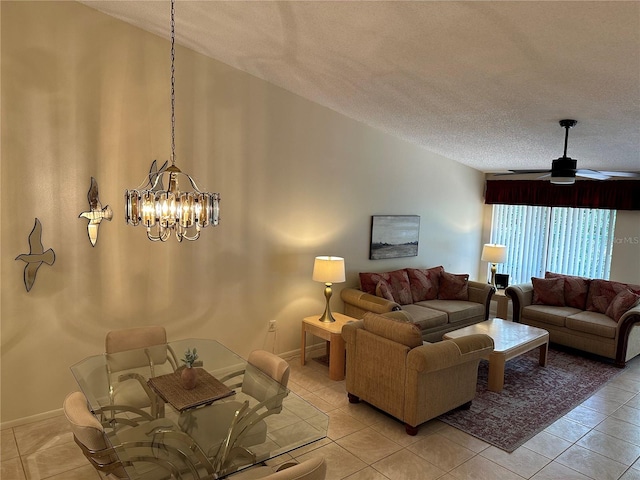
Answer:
[(328, 270), (494, 254)]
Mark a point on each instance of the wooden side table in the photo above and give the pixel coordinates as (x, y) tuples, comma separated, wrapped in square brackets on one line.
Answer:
[(332, 333), (503, 304)]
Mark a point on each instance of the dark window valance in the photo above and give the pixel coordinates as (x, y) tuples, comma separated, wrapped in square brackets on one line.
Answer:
[(613, 194)]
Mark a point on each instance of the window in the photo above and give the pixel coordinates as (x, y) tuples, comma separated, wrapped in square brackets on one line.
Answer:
[(573, 241)]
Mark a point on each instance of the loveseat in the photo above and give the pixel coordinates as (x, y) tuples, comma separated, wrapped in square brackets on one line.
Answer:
[(596, 316), (437, 301), (390, 367)]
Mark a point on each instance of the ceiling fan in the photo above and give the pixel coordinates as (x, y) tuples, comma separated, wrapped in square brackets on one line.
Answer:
[(563, 170)]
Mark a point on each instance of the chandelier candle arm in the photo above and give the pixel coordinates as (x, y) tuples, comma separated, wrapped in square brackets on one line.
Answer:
[(164, 211), (328, 270)]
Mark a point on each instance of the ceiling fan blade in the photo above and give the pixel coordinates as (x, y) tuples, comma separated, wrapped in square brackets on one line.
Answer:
[(622, 174), (592, 174)]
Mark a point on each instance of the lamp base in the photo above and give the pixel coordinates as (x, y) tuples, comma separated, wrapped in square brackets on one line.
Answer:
[(326, 316), (493, 275)]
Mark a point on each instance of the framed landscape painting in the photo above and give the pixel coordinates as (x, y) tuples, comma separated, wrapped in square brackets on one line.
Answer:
[(394, 236)]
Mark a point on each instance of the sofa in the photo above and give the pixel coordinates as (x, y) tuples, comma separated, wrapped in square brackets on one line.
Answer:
[(437, 301), (592, 315), (389, 367)]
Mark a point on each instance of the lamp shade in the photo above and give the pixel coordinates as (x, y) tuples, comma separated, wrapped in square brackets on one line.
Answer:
[(493, 253), (328, 269)]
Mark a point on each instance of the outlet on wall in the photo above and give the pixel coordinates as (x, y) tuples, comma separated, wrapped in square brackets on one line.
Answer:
[(272, 325)]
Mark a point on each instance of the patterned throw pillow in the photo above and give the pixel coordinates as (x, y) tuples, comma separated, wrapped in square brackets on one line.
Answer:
[(383, 290), (575, 289), (424, 283), (400, 287), (622, 302), (453, 286), (548, 291), (369, 281), (602, 293)]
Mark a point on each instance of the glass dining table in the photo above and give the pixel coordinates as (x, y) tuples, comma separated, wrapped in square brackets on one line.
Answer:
[(236, 416)]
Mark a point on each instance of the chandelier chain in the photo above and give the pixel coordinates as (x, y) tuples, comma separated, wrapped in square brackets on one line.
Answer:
[(173, 84)]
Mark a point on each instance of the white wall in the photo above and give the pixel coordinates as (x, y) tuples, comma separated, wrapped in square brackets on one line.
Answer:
[(86, 95)]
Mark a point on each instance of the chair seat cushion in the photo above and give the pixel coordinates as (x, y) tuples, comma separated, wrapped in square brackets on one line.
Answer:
[(549, 314)]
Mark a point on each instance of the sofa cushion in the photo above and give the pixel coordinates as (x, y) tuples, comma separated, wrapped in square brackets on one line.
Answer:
[(453, 286), (548, 291), (425, 318), (602, 293), (398, 331), (549, 314), (593, 323), (424, 282), (622, 302), (456, 310), (575, 289)]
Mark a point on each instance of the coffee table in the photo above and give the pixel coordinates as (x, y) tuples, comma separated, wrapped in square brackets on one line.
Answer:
[(510, 340)]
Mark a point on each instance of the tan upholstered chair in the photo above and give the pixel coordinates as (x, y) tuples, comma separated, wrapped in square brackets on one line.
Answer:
[(227, 430), (153, 449), (134, 355), (389, 367), (313, 469)]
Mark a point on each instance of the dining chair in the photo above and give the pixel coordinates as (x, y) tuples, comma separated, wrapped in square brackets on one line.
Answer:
[(134, 355), (229, 429), (153, 448), (314, 468)]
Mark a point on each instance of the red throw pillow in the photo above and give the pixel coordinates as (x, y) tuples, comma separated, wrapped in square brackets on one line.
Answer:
[(453, 286), (622, 302), (400, 287), (548, 291), (575, 289), (602, 293), (424, 283), (383, 290), (368, 281)]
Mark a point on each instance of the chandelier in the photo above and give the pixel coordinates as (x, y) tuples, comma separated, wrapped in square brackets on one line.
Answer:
[(163, 211)]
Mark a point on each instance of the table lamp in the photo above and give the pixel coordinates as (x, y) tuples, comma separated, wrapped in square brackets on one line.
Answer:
[(494, 254), (328, 270)]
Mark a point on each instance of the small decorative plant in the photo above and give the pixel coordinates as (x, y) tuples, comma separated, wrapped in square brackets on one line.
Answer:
[(190, 357)]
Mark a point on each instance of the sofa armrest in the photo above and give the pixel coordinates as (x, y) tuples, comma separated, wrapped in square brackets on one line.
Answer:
[(481, 293), (357, 303), (627, 321), (431, 357), (521, 295)]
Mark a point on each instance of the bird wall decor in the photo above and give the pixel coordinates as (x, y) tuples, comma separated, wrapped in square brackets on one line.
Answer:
[(36, 256), (96, 214)]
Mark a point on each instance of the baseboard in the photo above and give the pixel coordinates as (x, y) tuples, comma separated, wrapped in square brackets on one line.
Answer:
[(32, 419)]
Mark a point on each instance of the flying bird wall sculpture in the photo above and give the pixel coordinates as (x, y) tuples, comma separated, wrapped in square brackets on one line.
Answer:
[(36, 256), (96, 213)]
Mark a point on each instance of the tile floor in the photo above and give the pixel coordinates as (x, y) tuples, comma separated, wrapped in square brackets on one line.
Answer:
[(599, 440)]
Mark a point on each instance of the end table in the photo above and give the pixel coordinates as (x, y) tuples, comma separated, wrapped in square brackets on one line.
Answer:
[(503, 304), (332, 333)]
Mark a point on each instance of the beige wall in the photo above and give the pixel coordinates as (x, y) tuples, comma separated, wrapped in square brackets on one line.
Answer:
[(86, 95)]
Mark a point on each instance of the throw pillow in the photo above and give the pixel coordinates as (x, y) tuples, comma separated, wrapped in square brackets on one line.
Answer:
[(424, 283), (369, 281), (400, 287), (383, 289), (575, 289), (602, 293), (453, 286), (548, 291), (622, 302), (398, 331)]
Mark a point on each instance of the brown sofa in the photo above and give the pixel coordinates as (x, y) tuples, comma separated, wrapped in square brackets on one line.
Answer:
[(596, 316), (437, 301), (390, 367)]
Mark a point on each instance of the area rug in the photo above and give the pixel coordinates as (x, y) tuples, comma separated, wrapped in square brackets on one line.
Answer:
[(533, 396)]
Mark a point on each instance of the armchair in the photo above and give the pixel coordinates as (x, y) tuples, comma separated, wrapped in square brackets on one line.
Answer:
[(390, 367)]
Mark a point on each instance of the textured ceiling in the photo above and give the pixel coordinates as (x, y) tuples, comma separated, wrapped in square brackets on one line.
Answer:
[(482, 83)]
